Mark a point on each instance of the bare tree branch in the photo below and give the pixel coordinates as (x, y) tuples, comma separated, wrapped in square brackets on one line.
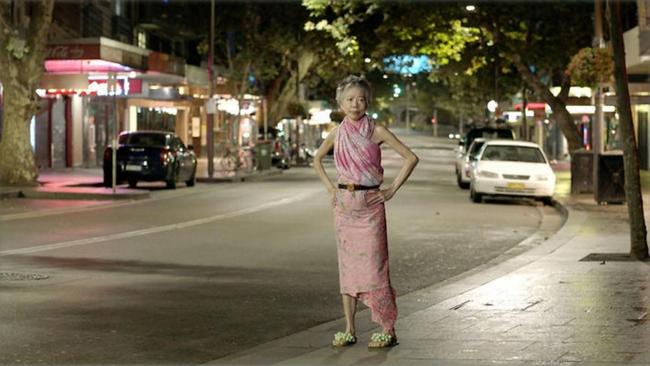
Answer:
[(566, 86), (5, 18), (39, 25), (5, 29)]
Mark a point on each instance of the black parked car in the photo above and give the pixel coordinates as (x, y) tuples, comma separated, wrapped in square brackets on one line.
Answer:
[(151, 156)]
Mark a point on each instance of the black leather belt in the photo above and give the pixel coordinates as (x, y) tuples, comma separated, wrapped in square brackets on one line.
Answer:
[(356, 187)]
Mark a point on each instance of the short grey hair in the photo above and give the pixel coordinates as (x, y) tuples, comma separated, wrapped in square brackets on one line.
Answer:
[(353, 81)]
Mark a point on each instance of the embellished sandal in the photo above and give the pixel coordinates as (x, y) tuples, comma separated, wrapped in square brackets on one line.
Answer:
[(342, 339), (382, 340)]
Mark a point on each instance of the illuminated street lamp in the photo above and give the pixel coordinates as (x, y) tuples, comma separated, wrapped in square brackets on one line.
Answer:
[(470, 7), (492, 106)]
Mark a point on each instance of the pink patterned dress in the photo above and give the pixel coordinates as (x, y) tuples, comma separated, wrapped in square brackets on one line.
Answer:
[(362, 244)]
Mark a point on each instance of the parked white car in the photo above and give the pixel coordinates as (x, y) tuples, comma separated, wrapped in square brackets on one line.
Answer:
[(511, 168), (464, 146), (463, 163)]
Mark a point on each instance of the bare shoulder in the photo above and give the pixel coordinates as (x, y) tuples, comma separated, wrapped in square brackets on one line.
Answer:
[(381, 134), (332, 134)]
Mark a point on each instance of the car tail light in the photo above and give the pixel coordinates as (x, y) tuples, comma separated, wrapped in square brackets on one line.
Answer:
[(164, 155)]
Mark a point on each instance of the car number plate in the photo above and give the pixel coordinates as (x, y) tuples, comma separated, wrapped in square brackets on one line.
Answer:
[(516, 186), (133, 168)]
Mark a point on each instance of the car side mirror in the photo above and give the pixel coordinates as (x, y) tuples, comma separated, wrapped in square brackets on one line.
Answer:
[(190, 147)]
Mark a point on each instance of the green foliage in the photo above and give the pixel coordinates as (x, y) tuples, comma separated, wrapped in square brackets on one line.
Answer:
[(591, 66), (296, 109)]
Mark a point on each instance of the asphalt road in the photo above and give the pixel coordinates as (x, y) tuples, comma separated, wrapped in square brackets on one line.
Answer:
[(198, 273)]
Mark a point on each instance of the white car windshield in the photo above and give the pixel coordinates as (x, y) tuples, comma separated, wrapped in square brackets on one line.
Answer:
[(513, 153)]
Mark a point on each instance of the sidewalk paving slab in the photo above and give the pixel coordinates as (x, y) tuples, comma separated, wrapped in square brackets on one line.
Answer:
[(556, 303), (86, 184)]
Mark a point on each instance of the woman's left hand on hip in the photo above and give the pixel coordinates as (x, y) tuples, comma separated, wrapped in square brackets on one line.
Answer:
[(380, 196)]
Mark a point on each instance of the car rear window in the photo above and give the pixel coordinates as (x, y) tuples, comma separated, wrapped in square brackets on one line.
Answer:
[(488, 134), (144, 139), (475, 147), (513, 153)]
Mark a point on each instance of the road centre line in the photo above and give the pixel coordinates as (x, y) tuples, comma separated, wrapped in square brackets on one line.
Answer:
[(158, 229)]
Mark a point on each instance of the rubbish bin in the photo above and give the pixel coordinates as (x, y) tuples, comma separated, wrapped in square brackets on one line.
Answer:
[(610, 187), (582, 171), (263, 155)]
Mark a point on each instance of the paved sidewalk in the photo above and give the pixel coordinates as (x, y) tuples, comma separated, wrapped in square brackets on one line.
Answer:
[(86, 184), (573, 298)]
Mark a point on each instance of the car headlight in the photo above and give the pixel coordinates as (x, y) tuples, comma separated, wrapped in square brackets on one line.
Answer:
[(487, 174)]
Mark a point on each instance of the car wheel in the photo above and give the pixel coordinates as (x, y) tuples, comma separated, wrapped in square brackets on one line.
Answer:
[(461, 184), (108, 180), (133, 183), (547, 201), (192, 181), (171, 180), (476, 197)]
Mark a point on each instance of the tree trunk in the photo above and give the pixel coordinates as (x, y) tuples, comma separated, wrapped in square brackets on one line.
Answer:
[(272, 93), (17, 166), (22, 40), (558, 107), (638, 244), (307, 60)]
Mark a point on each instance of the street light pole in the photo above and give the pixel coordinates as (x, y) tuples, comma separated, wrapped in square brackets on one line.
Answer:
[(408, 114), (599, 115), (211, 111), (111, 91)]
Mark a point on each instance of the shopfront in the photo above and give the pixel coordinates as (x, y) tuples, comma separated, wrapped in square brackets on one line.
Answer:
[(83, 93)]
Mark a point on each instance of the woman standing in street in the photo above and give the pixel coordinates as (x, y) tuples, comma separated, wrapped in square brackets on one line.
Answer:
[(359, 213)]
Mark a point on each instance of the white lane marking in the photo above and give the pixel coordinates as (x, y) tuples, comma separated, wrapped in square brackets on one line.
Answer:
[(157, 229)]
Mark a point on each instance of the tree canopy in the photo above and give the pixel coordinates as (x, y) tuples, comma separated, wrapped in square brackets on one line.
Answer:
[(489, 50)]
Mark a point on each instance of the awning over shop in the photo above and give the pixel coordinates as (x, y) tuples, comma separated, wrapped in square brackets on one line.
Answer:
[(531, 106), (110, 52)]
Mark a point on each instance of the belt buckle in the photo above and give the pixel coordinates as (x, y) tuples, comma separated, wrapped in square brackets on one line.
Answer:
[(349, 187)]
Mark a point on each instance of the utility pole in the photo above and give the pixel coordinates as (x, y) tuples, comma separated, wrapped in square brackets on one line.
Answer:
[(597, 99), (408, 113), (524, 119), (211, 110), (599, 115), (435, 122), (111, 91), (266, 118)]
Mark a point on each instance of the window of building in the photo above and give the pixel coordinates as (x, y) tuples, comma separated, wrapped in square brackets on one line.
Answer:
[(141, 39), (119, 6)]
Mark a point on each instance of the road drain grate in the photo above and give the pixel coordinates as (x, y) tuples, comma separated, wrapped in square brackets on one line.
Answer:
[(13, 276)]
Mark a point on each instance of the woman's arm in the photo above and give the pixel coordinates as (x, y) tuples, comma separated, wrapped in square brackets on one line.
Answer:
[(382, 134), (318, 163)]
